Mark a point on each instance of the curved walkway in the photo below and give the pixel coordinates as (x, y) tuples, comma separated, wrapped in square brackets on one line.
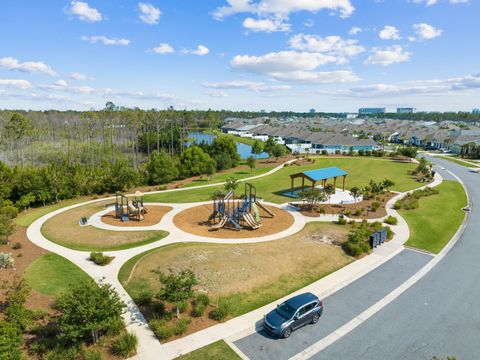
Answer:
[(149, 346)]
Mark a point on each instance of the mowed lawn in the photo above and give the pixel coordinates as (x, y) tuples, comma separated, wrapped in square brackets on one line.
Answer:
[(217, 351), (360, 172), (437, 218), (237, 272), (64, 230), (52, 274)]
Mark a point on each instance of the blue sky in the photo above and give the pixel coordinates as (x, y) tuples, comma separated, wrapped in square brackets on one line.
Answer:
[(240, 54)]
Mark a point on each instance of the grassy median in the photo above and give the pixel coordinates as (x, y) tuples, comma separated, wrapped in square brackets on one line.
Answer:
[(52, 274), (437, 218), (218, 350)]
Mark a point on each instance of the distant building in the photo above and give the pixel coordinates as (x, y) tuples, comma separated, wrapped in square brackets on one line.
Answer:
[(406, 110), (476, 111), (371, 111)]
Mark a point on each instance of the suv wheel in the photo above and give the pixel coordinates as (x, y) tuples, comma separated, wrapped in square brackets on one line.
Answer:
[(315, 318), (287, 333)]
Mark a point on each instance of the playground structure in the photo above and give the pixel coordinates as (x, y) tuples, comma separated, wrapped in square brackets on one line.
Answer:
[(237, 213), (127, 209)]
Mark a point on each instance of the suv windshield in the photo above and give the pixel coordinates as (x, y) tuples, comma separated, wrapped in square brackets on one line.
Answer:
[(286, 310)]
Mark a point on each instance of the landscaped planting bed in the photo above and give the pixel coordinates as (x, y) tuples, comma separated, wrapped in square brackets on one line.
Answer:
[(234, 275)]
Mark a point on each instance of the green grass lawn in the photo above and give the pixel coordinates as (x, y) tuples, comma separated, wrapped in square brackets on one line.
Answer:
[(221, 177), (437, 219), (217, 351), (457, 161), (52, 274), (360, 170), (26, 219)]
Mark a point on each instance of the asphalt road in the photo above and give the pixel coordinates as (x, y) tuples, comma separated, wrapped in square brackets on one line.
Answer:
[(439, 315), (339, 308)]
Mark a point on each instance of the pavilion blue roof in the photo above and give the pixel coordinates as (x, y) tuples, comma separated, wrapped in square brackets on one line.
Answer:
[(325, 173)]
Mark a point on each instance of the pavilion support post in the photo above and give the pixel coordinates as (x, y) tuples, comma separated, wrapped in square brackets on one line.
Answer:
[(291, 188), (344, 176), (334, 184), (313, 185), (303, 183)]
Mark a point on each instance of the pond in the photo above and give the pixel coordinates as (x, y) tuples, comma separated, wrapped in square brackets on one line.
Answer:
[(243, 150)]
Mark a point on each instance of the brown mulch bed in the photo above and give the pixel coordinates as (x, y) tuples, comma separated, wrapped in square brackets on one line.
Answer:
[(195, 221), (334, 209), (152, 217)]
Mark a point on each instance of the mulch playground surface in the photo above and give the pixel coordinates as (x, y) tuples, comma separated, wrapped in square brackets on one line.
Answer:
[(195, 221), (153, 216)]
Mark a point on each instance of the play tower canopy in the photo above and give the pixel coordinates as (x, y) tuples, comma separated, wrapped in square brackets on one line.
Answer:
[(315, 176)]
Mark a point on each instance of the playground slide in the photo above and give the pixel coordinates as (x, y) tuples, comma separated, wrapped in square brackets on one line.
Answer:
[(264, 208), (257, 213), (219, 225), (228, 196), (251, 221)]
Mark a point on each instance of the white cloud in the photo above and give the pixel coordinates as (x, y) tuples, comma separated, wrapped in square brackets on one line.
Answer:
[(217, 94), (149, 14), (355, 30), (163, 48), (105, 40), (292, 66), (19, 84), (201, 50), (276, 24), (433, 2), (245, 85), (389, 33), (37, 67), (84, 12), (426, 31), (309, 23), (283, 7), (419, 87), (387, 56), (79, 76), (331, 45)]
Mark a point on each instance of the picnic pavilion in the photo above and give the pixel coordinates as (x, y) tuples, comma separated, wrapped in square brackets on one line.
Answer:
[(320, 175)]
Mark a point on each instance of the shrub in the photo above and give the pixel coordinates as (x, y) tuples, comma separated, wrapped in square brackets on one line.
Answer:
[(92, 355), (125, 345), (17, 246), (144, 297), (182, 306), (221, 312), (6, 261), (202, 299), (100, 259), (115, 327), (181, 326), (324, 152), (337, 152), (391, 220), (356, 249), (198, 310), (321, 210), (162, 187), (60, 353), (342, 221), (161, 330), (361, 152), (358, 212), (375, 205), (159, 308)]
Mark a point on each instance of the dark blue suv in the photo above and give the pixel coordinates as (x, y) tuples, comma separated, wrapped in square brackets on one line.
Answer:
[(295, 312)]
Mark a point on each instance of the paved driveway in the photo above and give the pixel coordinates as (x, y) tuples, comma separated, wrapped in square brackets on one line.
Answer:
[(339, 308)]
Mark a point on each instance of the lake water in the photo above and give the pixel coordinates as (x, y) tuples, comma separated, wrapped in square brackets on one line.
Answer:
[(243, 150)]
